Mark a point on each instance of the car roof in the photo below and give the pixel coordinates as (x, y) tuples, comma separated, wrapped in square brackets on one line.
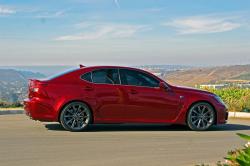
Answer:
[(100, 67), (89, 68)]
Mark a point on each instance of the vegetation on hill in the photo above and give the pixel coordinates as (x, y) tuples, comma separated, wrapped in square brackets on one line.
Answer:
[(4, 104), (209, 75), (237, 99)]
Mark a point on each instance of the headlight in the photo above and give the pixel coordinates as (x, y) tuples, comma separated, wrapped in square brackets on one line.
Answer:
[(219, 99)]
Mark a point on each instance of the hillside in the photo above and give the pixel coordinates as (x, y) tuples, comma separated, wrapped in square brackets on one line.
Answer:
[(222, 74), (245, 76), (13, 84)]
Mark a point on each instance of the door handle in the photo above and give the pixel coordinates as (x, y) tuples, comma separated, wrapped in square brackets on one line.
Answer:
[(88, 88), (133, 91)]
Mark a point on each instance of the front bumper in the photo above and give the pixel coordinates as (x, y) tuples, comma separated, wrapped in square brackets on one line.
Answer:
[(222, 114), (37, 109)]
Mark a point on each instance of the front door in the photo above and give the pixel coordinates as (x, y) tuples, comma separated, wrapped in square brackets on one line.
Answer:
[(145, 101)]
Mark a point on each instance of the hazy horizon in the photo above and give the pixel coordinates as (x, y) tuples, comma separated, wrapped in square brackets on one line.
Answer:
[(124, 32)]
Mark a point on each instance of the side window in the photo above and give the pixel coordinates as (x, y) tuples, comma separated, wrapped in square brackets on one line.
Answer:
[(106, 76), (87, 77), (132, 77)]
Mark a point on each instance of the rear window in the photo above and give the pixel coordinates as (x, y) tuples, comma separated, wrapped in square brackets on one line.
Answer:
[(61, 74)]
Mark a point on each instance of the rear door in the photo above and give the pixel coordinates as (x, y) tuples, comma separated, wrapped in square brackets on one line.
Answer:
[(108, 95), (146, 102)]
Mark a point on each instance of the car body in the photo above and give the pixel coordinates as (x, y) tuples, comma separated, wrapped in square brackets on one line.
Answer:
[(115, 94)]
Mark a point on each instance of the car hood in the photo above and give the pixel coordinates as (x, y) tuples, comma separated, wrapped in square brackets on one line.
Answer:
[(181, 89)]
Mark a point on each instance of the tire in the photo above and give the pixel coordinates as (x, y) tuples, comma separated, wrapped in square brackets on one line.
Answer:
[(201, 116), (75, 116)]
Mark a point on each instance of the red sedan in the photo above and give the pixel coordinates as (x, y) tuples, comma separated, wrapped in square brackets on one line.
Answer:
[(112, 94)]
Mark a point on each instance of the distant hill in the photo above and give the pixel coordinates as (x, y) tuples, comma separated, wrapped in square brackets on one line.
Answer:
[(245, 76), (222, 74), (13, 84), (45, 70), (9, 75)]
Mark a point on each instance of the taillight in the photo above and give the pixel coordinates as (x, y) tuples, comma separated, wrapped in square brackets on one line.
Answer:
[(39, 92), (37, 89)]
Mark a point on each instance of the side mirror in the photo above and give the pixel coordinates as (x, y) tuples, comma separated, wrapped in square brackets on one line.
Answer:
[(163, 86)]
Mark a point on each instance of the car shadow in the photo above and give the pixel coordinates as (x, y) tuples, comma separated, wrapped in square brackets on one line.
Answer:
[(147, 127)]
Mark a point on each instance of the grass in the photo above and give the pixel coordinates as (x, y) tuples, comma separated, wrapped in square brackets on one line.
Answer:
[(11, 109)]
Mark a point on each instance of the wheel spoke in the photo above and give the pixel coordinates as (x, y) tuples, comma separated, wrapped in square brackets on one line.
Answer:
[(203, 109), (194, 111), (70, 111), (75, 108), (69, 121), (205, 120), (199, 109), (206, 112), (194, 116), (78, 124), (199, 123), (203, 123), (195, 121), (73, 124), (68, 116), (81, 109)]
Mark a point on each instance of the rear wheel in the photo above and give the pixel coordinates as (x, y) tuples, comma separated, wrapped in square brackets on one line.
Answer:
[(75, 116), (201, 116)]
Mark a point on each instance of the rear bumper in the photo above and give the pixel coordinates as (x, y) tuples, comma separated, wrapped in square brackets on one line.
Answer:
[(38, 109)]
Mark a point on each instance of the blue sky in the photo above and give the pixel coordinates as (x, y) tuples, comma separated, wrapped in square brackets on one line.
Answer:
[(124, 32)]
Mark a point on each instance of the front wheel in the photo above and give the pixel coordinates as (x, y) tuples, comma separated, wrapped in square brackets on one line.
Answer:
[(75, 116), (201, 116)]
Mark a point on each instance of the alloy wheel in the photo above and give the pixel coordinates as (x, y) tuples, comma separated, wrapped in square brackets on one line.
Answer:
[(201, 116), (75, 116)]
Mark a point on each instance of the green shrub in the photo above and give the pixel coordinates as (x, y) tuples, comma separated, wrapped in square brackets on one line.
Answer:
[(237, 99), (238, 157)]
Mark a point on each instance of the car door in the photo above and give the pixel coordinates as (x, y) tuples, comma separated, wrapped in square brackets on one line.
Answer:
[(145, 101), (108, 95)]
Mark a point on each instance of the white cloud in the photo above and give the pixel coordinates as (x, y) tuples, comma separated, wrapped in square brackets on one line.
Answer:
[(204, 24), (6, 10), (117, 3), (51, 14), (94, 31)]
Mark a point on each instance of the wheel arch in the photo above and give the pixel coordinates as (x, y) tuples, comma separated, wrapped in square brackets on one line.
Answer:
[(201, 101), (71, 101)]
